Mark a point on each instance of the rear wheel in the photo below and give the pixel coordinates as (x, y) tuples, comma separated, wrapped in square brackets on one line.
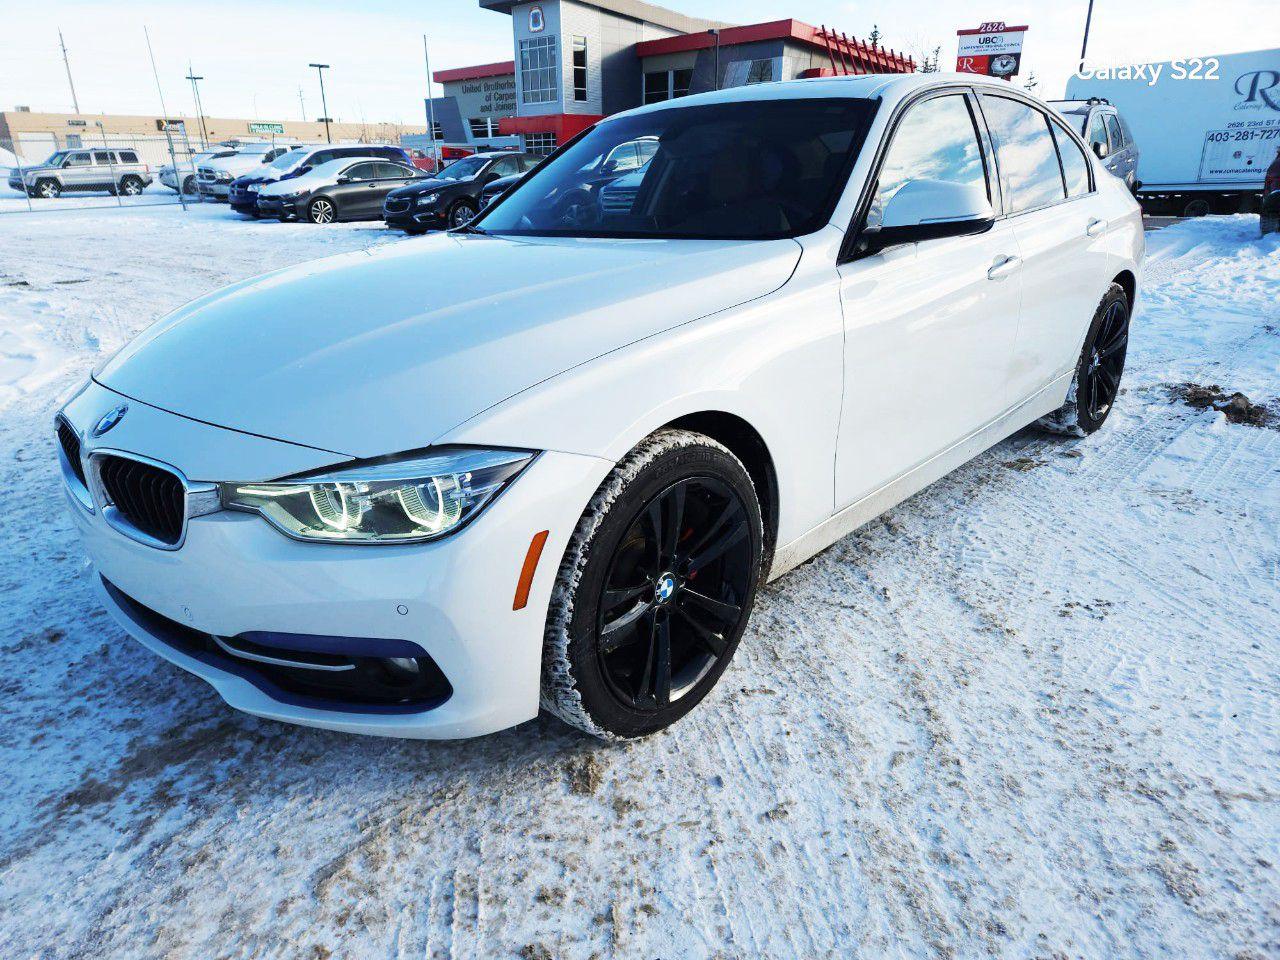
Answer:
[(1096, 384), (655, 589), (131, 186), (1269, 223), (322, 211), (1198, 207)]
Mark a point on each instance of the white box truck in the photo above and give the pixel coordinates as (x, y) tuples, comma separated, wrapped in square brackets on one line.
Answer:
[(1207, 127)]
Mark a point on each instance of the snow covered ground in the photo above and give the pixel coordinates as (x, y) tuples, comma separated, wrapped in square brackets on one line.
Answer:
[(1033, 712)]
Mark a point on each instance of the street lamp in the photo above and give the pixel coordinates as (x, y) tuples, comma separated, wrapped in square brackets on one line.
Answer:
[(195, 92), (320, 69)]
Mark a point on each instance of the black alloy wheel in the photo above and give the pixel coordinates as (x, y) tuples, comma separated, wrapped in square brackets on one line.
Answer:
[(1100, 380), (675, 593)]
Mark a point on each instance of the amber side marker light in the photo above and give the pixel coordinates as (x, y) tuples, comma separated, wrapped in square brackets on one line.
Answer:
[(525, 583)]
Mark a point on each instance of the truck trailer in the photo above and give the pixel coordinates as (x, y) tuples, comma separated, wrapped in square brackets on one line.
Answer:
[(1207, 127)]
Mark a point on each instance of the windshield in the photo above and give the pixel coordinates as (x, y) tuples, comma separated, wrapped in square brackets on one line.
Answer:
[(287, 161), (463, 169), (55, 159), (727, 171)]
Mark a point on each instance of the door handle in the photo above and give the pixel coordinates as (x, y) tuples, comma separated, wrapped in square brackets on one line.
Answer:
[(1004, 268), (1095, 227)]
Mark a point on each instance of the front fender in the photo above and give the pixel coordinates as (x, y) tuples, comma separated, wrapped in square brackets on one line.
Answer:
[(776, 362)]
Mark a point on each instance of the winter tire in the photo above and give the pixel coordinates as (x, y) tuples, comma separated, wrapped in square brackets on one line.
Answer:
[(1269, 223), (189, 187), (460, 214), (131, 186), (48, 189), (321, 211), (655, 588), (1096, 383)]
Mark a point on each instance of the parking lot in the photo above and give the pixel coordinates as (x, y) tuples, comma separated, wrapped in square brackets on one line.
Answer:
[(1031, 712)]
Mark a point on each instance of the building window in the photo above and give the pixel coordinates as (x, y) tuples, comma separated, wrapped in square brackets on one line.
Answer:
[(482, 127), (743, 72), (437, 131), (539, 143), (580, 69), (538, 69), (667, 85)]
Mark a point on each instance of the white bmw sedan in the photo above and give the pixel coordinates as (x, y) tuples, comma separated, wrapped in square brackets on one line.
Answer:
[(548, 459)]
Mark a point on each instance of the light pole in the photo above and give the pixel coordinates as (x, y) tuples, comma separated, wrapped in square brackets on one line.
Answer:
[(67, 62), (716, 35), (195, 93), (1088, 18), (320, 69)]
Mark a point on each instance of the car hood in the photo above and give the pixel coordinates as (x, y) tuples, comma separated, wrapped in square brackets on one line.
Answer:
[(385, 350), (429, 185)]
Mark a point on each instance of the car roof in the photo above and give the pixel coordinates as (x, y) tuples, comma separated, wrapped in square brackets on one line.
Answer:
[(331, 167), (867, 86)]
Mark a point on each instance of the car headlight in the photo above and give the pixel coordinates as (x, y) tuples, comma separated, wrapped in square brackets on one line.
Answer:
[(422, 497), (429, 200), (289, 197), (252, 188), (224, 177)]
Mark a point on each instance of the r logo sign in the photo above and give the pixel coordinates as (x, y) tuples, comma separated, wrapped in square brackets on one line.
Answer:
[(1260, 86)]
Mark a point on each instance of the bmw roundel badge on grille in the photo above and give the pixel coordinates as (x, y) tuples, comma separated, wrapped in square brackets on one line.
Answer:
[(110, 419)]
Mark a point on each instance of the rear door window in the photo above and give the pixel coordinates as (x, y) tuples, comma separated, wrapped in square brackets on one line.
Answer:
[(1025, 153), (1075, 166), (102, 158), (392, 171), (128, 156)]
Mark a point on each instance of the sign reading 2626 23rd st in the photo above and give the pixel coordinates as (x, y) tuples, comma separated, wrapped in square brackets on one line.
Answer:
[(993, 50)]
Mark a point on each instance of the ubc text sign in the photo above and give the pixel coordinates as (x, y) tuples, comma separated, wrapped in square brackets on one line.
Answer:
[(993, 49)]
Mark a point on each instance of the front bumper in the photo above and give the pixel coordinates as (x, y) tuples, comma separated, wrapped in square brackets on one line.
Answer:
[(276, 207), (218, 191), (234, 574), (414, 219)]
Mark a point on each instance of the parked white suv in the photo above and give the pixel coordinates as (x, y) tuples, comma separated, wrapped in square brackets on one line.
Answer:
[(213, 177), (424, 488), (99, 169)]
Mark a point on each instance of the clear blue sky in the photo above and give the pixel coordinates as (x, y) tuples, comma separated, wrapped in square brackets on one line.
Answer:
[(254, 55)]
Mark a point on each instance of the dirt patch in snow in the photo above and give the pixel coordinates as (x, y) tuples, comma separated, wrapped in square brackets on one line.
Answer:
[(1236, 407)]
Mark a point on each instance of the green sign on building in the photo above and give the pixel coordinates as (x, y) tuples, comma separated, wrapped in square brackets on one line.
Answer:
[(266, 128)]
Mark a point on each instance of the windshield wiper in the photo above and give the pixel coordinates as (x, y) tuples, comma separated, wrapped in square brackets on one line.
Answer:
[(469, 228)]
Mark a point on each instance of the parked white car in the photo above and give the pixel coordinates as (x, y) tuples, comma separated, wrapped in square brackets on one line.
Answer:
[(183, 175), (423, 489), (213, 177)]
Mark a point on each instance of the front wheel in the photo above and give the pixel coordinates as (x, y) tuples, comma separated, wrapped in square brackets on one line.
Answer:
[(322, 211), (189, 186), (460, 214), (655, 588), (48, 189), (1269, 223), (1096, 384)]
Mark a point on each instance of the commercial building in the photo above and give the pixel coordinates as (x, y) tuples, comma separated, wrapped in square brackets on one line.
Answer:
[(576, 61), (33, 136)]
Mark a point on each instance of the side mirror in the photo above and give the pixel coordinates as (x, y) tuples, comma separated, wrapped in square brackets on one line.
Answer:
[(1101, 149), (930, 210), (343, 178)]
